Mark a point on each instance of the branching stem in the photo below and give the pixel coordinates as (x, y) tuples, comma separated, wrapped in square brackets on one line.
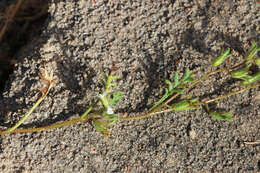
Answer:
[(163, 108)]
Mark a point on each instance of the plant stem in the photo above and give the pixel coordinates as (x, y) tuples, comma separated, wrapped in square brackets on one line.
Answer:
[(226, 95), (83, 116), (52, 126), (145, 115), (195, 83), (77, 120), (57, 125), (25, 116), (252, 143)]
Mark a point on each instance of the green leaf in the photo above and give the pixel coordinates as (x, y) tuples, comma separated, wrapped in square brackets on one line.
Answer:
[(187, 77), (109, 82), (257, 61), (222, 116), (176, 91), (110, 117), (241, 73), (115, 98), (252, 79), (176, 80), (170, 85), (183, 105), (164, 97), (174, 88), (252, 51), (220, 59), (101, 127)]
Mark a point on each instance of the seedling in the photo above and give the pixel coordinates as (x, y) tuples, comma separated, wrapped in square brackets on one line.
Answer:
[(101, 113)]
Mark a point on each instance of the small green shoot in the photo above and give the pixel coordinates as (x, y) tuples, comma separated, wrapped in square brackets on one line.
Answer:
[(224, 54), (241, 73), (114, 99), (252, 52), (108, 100), (184, 105), (257, 62), (227, 116), (101, 127), (244, 73), (175, 87), (252, 79)]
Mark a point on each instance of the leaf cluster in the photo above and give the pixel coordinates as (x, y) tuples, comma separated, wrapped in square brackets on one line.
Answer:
[(175, 87), (245, 73), (108, 99)]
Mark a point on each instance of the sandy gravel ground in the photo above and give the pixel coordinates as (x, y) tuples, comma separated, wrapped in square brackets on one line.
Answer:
[(146, 40)]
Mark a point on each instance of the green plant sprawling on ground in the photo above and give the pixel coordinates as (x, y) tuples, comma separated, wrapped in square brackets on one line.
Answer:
[(101, 113)]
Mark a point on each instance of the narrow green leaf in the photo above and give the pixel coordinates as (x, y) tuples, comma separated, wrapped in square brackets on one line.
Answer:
[(176, 91), (176, 80), (252, 79), (186, 74), (187, 77), (193, 100), (222, 116), (241, 73), (180, 86), (252, 51), (257, 61), (115, 98), (183, 105), (164, 97), (220, 59), (101, 127), (170, 87)]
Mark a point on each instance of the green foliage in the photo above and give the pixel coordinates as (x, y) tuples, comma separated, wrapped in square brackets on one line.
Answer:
[(244, 73), (252, 79), (102, 127), (108, 99), (257, 62), (175, 87), (241, 73), (114, 99), (184, 105), (224, 54), (227, 116), (109, 82), (252, 52)]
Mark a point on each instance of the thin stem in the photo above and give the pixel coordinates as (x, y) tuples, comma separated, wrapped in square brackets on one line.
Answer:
[(52, 126), (77, 120), (25, 117), (226, 95), (57, 125), (145, 115), (83, 116)]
